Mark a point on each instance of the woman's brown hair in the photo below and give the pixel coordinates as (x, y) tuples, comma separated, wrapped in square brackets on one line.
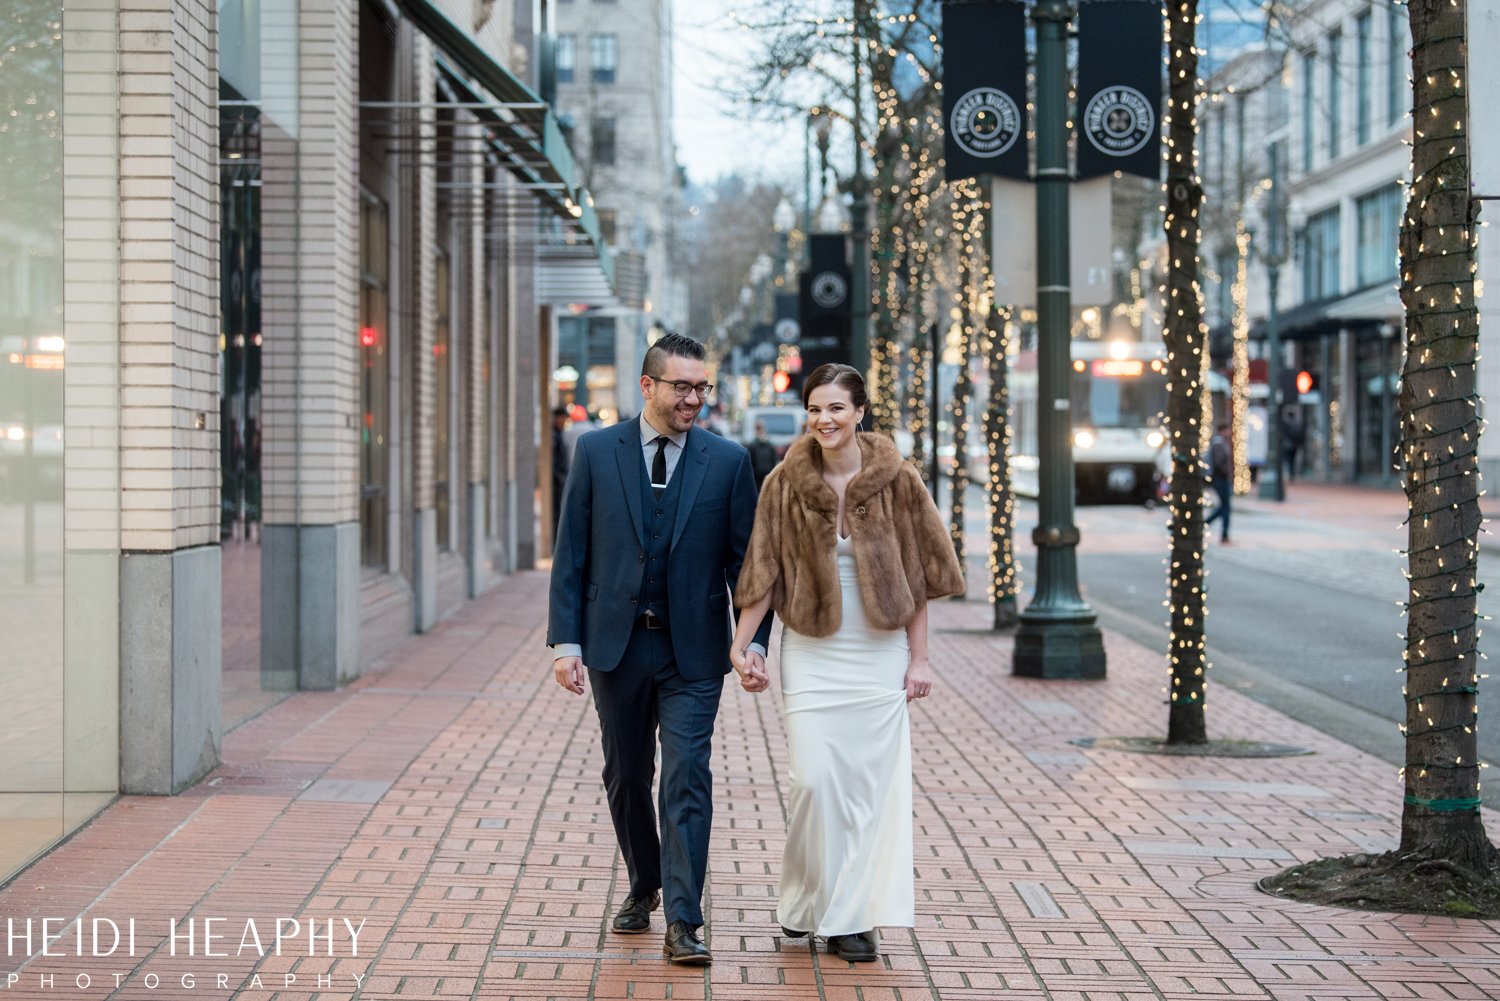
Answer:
[(846, 377)]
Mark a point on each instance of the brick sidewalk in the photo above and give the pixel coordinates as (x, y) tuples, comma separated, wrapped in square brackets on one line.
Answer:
[(452, 801)]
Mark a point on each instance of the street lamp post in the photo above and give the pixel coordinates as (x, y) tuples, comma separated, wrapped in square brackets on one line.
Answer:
[(1058, 636), (1271, 486)]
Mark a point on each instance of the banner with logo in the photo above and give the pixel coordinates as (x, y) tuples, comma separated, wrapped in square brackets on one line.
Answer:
[(1120, 72), (984, 89)]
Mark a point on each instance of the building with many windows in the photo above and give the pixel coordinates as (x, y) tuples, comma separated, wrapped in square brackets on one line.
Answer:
[(614, 90), (1328, 92), (278, 279)]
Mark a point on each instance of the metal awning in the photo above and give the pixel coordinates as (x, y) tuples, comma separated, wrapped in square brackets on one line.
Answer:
[(526, 136), (1363, 308)]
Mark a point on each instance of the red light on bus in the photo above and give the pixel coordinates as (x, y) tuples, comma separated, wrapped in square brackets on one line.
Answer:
[(1118, 368)]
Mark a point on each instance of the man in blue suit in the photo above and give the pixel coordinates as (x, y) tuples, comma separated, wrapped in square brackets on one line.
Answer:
[(656, 518)]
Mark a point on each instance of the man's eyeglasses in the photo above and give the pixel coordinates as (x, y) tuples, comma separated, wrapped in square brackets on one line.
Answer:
[(683, 389)]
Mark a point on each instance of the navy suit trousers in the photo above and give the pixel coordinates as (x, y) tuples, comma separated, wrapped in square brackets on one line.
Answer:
[(645, 694)]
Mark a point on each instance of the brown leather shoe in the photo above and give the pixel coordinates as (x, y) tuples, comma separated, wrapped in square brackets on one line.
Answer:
[(856, 948), (635, 915), (684, 947)]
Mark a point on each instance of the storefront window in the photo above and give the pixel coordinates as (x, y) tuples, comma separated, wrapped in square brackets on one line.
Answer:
[(374, 386), (33, 683)]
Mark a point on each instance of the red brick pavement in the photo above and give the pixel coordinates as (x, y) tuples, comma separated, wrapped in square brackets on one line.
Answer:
[(452, 803)]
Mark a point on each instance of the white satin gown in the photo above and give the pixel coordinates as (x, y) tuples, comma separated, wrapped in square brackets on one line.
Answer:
[(847, 865)]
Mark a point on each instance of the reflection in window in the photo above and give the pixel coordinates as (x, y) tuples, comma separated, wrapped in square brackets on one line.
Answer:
[(374, 386)]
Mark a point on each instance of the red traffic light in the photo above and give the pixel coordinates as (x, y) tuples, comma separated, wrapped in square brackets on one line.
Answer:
[(781, 381), (1305, 382), (367, 337)]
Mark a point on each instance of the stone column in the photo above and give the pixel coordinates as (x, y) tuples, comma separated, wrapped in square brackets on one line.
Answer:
[(170, 645), (424, 541), (310, 572)]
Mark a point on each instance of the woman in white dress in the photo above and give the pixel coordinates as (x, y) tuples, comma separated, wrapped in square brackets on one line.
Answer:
[(847, 548)]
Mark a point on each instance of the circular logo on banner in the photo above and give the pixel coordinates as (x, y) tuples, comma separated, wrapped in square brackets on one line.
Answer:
[(1119, 121), (985, 122), (829, 289), (786, 331)]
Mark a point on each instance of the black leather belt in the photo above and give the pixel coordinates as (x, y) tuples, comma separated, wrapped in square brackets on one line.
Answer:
[(650, 620)]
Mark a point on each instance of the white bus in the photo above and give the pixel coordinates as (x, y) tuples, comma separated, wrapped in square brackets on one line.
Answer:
[(1118, 403)]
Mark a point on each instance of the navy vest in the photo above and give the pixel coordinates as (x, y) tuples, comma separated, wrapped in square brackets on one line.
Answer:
[(658, 519)]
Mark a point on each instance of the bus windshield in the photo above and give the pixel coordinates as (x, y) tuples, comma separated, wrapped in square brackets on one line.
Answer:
[(1127, 401)]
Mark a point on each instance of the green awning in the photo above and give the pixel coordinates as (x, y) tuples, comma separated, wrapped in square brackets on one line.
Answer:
[(522, 127)]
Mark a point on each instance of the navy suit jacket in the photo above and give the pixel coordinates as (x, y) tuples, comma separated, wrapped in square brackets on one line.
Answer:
[(599, 560)]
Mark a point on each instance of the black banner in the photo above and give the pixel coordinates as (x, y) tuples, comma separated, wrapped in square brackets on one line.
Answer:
[(984, 89), (825, 320), (1120, 71)]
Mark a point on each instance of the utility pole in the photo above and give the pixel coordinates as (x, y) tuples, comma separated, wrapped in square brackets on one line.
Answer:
[(1058, 636), (859, 210), (1271, 486)]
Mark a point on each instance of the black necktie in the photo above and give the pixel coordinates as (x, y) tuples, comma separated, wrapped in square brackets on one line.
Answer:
[(659, 467)]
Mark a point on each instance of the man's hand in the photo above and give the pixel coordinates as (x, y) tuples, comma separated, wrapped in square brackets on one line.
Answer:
[(751, 669), (569, 672)]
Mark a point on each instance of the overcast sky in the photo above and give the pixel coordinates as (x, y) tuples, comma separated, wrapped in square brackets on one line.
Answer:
[(713, 136)]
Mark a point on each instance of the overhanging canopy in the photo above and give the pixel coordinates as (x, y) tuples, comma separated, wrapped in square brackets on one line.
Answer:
[(523, 131)]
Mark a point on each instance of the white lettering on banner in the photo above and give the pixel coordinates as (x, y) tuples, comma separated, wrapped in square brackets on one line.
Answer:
[(985, 122)]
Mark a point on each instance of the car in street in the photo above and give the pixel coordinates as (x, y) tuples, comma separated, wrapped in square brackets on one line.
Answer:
[(784, 425)]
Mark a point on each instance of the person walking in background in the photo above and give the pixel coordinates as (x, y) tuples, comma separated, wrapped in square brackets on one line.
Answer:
[(561, 459), (1221, 473), (848, 549), (763, 457), (1292, 438), (654, 530)]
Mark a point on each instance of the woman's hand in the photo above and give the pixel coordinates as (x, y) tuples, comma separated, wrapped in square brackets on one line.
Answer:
[(751, 669), (918, 679)]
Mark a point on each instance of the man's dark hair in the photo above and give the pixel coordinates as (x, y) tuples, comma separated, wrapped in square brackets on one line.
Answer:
[(846, 377), (655, 362)]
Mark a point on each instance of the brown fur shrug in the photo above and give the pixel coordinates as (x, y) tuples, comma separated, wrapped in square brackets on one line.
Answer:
[(901, 546)]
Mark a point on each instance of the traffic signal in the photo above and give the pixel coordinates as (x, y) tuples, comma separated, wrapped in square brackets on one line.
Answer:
[(781, 381), (1306, 382)]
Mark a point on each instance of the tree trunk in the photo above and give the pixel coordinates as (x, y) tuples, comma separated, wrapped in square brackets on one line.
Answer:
[(1004, 575), (966, 216), (1186, 344), (1440, 428)]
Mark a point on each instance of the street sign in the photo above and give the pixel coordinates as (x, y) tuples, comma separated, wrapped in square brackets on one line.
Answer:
[(1119, 88), (984, 89), (1090, 238)]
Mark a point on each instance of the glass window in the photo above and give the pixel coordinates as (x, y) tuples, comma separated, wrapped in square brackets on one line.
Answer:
[(37, 757), (1309, 108), (374, 385), (1318, 250), (1364, 27), (602, 142), (604, 54), (1398, 99), (442, 374), (567, 57), (1335, 94), (1379, 217), (607, 221)]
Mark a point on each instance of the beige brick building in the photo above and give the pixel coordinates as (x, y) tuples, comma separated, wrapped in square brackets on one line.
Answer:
[(272, 361)]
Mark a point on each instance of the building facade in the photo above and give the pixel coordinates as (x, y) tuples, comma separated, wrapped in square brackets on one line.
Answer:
[(614, 89), (275, 312), (1330, 92)]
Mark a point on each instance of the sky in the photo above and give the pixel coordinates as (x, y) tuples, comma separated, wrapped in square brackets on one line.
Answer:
[(714, 137)]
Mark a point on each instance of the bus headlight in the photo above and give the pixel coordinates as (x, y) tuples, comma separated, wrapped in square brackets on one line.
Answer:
[(1155, 439), (1083, 438)]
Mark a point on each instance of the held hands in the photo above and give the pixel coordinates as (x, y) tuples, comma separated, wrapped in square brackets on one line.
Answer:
[(569, 673), (751, 668), (918, 679)]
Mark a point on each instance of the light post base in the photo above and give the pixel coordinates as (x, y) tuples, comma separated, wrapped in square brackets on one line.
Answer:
[(1058, 650)]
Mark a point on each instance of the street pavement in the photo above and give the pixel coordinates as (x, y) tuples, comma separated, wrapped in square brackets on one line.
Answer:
[(451, 800)]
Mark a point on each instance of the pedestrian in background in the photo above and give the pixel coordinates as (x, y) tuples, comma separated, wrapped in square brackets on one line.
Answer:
[(561, 459), (1292, 437), (763, 457), (1221, 471)]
